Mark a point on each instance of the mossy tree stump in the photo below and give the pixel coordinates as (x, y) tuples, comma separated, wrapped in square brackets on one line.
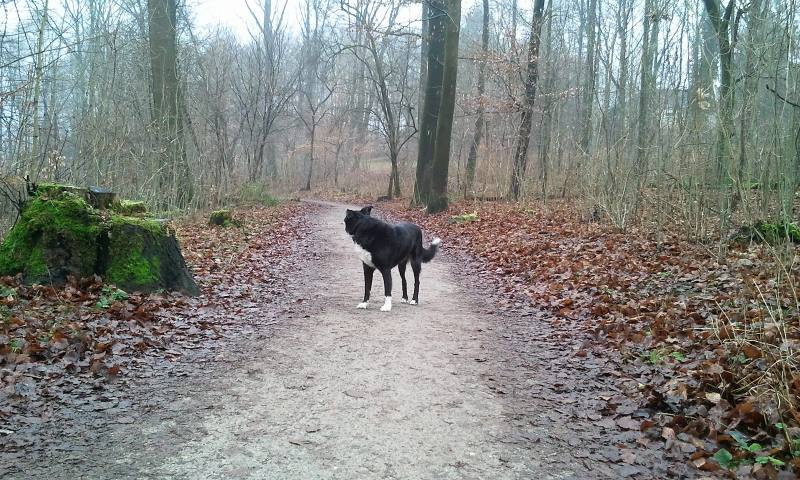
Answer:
[(59, 234), (223, 218)]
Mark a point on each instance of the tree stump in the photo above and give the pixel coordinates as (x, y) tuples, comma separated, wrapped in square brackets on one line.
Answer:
[(59, 234), (223, 218), (100, 198)]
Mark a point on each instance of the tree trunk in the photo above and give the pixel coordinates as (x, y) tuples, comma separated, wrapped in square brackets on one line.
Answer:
[(590, 80), (423, 57), (623, 20), (175, 181), (307, 186), (549, 104), (514, 10), (645, 88), (472, 157), (523, 137), (433, 93), (444, 125), (394, 177), (751, 69), (37, 92), (720, 21)]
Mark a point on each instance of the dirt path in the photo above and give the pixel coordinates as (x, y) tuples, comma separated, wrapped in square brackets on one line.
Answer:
[(447, 389)]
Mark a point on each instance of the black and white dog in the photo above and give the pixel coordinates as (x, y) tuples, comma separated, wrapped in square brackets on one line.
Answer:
[(383, 246)]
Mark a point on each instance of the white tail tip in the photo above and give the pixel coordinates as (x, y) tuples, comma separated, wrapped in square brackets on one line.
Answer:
[(436, 241)]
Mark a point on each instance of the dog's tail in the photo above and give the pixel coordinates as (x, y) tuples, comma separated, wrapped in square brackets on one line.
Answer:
[(430, 252)]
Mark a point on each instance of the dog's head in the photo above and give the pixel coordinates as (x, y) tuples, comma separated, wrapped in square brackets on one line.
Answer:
[(352, 217)]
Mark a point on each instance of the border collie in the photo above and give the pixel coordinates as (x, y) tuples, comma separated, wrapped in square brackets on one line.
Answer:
[(382, 246)]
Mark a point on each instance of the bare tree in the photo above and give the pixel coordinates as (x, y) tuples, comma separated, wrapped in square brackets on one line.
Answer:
[(472, 157), (314, 89), (532, 78), (376, 26), (264, 84)]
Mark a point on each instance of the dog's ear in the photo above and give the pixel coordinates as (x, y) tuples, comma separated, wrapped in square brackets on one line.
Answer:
[(366, 210)]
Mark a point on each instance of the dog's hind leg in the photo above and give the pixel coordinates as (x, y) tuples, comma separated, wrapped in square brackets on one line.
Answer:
[(387, 289), (416, 266), (402, 267), (368, 272)]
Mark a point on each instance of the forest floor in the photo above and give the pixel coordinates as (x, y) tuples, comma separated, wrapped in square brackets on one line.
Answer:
[(273, 373)]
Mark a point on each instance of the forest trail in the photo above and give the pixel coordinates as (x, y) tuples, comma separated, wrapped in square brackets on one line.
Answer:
[(428, 391)]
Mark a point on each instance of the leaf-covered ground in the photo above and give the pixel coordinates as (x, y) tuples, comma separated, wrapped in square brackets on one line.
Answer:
[(679, 353), (75, 346), (705, 351)]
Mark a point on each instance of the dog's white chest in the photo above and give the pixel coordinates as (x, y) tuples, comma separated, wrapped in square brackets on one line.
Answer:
[(364, 255)]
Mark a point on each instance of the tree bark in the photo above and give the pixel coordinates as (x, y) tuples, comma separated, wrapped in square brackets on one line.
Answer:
[(472, 157), (549, 105), (444, 126), (175, 181), (423, 56), (37, 92), (720, 21), (623, 20), (590, 80), (751, 68), (524, 134), (645, 87), (433, 93)]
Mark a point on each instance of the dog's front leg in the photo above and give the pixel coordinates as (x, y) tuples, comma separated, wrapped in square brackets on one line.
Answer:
[(387, 289), (368, 272)]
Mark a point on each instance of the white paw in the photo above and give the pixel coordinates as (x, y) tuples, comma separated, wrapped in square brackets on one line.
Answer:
[(412, 302), (362, 305), (403, 300), (387, 306)]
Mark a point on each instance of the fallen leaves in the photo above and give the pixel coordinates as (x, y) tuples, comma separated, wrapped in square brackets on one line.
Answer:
[(702, 345), (64, 343)]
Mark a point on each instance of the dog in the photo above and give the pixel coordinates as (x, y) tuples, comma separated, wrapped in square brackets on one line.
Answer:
[(382, 246)]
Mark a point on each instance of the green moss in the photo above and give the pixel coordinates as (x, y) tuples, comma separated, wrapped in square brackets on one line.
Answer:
[(129, 207), (156, 227), (64, 222), (129, 266), (67, 212), (59, 234), (222, 218), (52, 190), (37, 267)]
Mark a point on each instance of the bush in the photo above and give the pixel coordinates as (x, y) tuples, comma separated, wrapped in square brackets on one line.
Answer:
[(257, 193), (768, 232)]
